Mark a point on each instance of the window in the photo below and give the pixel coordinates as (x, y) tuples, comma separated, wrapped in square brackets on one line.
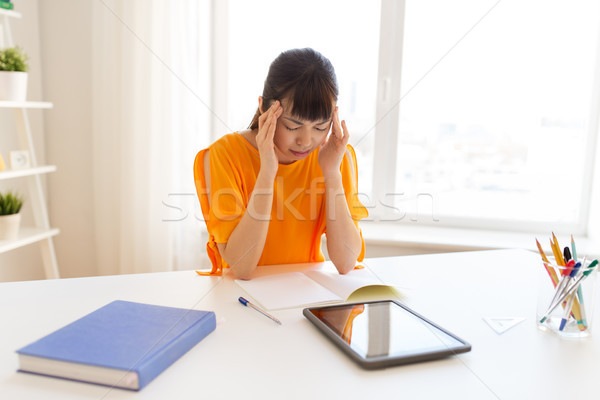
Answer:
[(495, 111)]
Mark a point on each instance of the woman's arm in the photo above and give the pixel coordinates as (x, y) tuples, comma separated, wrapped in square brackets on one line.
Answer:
[(245, 245), (344, 243), (247, 241)]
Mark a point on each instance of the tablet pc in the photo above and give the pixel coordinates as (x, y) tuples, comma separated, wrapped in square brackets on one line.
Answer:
[(379, 334)]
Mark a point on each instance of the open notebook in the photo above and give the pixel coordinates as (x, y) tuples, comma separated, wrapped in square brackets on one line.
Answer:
[(300, 289)]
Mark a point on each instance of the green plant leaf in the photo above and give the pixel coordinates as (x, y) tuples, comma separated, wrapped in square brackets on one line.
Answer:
[(13, 59), (10, 203)]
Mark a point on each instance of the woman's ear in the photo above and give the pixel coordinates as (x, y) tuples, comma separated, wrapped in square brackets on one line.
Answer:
[(260, 104)]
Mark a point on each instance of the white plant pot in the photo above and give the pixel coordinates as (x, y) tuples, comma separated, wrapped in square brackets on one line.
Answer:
[(9, 226), (13, 86)]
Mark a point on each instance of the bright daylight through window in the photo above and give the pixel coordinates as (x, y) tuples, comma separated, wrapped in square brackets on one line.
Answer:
[(498, 130)]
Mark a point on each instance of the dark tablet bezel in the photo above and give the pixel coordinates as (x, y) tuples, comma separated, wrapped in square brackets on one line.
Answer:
[(385, 361)]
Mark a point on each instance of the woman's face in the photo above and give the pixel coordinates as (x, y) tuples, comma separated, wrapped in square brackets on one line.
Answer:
[(296, 138)]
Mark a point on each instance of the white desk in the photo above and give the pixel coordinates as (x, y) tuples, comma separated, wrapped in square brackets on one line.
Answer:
[(249, 356)]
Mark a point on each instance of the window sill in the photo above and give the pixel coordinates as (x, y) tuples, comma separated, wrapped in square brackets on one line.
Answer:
[(444, 239)]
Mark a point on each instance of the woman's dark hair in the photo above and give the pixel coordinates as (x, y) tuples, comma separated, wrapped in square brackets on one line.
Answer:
[(306, 79)]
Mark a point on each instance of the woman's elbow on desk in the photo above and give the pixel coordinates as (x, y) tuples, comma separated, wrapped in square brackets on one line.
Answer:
[(240, 268), (342, 257), (345, 266), (243, 271), (243, 275)]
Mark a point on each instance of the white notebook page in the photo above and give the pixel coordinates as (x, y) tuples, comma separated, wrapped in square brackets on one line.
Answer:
[(288, 290)]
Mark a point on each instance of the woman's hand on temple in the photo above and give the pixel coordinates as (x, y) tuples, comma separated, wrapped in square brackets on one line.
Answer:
[(267, 122), (332, 151)]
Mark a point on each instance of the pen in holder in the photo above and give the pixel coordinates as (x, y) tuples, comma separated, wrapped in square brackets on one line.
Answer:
[(566, 296)]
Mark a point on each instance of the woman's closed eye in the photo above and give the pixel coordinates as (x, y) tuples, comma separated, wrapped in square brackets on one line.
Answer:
[(291, 128), (298, 127)]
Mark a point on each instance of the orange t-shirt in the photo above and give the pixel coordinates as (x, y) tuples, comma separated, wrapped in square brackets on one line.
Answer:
[(298, 218)]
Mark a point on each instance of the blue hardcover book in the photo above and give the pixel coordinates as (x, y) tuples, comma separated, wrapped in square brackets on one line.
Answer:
[(122, 344)]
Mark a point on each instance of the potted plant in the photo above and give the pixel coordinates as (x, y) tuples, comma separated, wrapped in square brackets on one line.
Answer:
[(13, 74), (10, 218)]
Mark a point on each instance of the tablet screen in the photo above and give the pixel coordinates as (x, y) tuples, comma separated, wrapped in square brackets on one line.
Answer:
[(386, 329)]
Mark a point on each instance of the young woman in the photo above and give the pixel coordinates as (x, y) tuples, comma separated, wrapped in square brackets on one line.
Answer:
[(269, 193)]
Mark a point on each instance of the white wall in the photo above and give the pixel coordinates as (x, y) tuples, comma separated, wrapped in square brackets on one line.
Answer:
[(66, 31)]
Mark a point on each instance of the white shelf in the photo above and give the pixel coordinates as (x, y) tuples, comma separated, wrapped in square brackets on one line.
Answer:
[(27, 236), (25, 104), (18, 173), (10, 13), (39, 230)]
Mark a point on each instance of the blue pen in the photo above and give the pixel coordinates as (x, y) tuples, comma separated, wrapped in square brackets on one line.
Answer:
[(568, 308), (571, 299), (266, 314)]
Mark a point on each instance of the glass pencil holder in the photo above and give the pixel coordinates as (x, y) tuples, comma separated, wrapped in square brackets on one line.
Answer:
[(566, 298)]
